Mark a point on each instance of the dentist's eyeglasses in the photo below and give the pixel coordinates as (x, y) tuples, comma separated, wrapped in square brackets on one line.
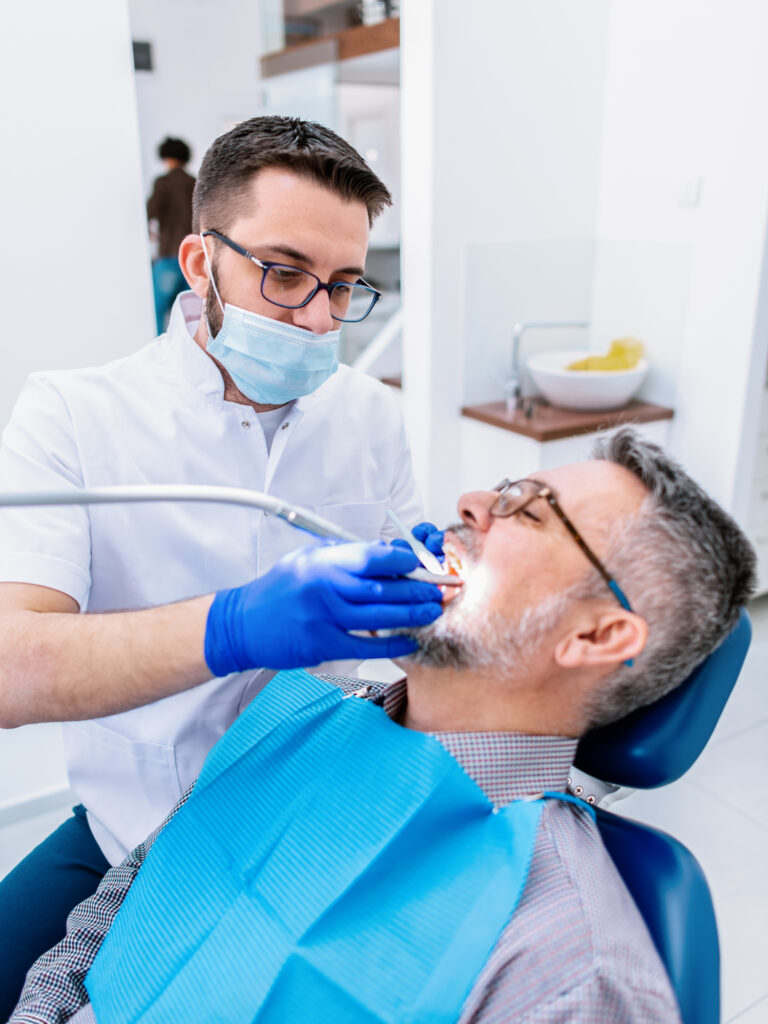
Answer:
[(293, 288), (514, 496)]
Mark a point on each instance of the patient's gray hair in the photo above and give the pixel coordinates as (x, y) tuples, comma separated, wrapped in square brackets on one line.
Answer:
[(685, 566)]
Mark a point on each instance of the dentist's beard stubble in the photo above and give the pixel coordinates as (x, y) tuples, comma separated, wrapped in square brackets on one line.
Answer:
[(212, 309)]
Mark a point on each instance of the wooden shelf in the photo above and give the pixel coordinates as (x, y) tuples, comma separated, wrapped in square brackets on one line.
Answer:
[(548, 423), (351, 42)]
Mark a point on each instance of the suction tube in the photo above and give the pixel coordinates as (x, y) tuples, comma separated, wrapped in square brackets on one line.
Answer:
[(295, 515)]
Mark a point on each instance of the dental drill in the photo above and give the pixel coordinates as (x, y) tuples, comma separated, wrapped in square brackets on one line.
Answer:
[(295, 515)]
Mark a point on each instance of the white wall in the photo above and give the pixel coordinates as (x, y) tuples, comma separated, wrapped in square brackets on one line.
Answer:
[(501, 128), (74, 266), (206, 73), (74, 263), (686, 105), (630, 133)]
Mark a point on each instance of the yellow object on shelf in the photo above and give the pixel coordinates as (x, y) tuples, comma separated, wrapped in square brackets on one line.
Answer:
[(624, 354)]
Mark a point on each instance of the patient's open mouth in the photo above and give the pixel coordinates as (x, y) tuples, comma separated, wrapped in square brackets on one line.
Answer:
[(455, 564)]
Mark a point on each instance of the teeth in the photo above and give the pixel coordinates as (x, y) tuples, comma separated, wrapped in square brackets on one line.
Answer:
[(452, 560)]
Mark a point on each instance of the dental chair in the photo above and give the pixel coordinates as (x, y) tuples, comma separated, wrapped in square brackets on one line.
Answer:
[(653, 747)]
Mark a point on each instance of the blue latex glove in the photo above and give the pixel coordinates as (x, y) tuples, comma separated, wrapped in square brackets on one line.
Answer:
[(299, 612), (430, 537)]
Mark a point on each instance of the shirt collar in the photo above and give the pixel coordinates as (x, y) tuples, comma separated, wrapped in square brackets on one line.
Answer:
[(505, 765), (197, 368)]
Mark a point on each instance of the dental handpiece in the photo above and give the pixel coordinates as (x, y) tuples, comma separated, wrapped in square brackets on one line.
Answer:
[(297, 516)]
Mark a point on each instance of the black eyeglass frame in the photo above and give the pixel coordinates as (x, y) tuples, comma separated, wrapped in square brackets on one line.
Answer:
[(266, 265), (545, 492)]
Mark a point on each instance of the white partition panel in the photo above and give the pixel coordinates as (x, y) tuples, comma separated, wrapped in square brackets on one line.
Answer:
[(74, 259)]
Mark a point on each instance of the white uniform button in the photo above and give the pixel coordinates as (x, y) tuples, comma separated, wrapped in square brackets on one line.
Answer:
[(285, 426), (245, 423)]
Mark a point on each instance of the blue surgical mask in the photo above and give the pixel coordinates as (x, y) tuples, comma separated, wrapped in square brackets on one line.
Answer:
[(271, 362)]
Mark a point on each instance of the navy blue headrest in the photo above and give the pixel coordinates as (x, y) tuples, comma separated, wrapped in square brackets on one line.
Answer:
[(657, 744)]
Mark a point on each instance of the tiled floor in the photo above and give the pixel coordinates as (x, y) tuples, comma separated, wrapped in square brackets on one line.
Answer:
[(719, 810)]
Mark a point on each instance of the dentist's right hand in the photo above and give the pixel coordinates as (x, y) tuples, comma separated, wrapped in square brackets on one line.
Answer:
[(299, 613)]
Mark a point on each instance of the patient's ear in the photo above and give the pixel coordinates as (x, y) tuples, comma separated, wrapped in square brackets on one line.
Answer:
[(609, 639)]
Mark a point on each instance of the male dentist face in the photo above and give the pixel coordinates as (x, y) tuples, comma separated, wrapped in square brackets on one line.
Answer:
[(284, 218)]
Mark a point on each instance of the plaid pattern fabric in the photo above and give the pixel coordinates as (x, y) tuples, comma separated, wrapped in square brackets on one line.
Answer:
[(576, 949)]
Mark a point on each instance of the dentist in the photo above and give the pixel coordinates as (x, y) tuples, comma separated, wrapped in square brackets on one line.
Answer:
[(184, 602)]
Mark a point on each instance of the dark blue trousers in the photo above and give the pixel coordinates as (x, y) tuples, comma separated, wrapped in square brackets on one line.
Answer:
[(167, 282), (37, 896)]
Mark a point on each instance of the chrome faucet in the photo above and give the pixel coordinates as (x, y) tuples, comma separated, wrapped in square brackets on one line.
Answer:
[(513, 388)]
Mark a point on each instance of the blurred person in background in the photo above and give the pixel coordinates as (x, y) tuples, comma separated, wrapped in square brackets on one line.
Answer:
[(171, 206)]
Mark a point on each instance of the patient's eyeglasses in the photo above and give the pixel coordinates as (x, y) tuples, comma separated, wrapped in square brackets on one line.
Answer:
[(516, 495)]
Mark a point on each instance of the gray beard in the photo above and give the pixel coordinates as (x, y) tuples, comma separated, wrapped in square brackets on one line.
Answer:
[(467, 636), (457, 639)]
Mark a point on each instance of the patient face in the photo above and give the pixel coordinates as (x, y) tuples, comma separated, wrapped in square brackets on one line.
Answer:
[(523, 572)]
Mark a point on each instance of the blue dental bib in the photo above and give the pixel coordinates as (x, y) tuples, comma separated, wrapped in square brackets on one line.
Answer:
[(329, 866)]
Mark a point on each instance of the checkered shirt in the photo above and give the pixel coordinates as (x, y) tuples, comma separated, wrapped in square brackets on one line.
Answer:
[(575, 950)]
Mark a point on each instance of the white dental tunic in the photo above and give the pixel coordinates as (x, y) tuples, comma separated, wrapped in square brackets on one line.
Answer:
[(159, 417)]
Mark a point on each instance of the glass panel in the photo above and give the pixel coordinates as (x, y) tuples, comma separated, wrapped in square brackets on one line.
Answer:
[(309, 93), (272, 25)]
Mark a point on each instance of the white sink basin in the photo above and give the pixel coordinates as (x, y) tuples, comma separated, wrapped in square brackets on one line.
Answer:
[(583, 389)]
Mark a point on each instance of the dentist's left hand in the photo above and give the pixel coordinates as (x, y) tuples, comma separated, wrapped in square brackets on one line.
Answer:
[(299, 613), (429, 535)]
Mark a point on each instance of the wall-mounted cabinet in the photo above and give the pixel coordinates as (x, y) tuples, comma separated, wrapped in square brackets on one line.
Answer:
[(305, 34)]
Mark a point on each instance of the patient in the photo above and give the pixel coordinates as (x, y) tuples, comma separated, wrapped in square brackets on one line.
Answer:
[(409, 852)]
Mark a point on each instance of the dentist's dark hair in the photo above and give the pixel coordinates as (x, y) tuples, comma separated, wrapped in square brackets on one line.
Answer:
[(686, 567), (303, 147)]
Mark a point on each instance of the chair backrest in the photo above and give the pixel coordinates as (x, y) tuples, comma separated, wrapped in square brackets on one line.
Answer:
[(672, 895), (657, 744), (651, 747)]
